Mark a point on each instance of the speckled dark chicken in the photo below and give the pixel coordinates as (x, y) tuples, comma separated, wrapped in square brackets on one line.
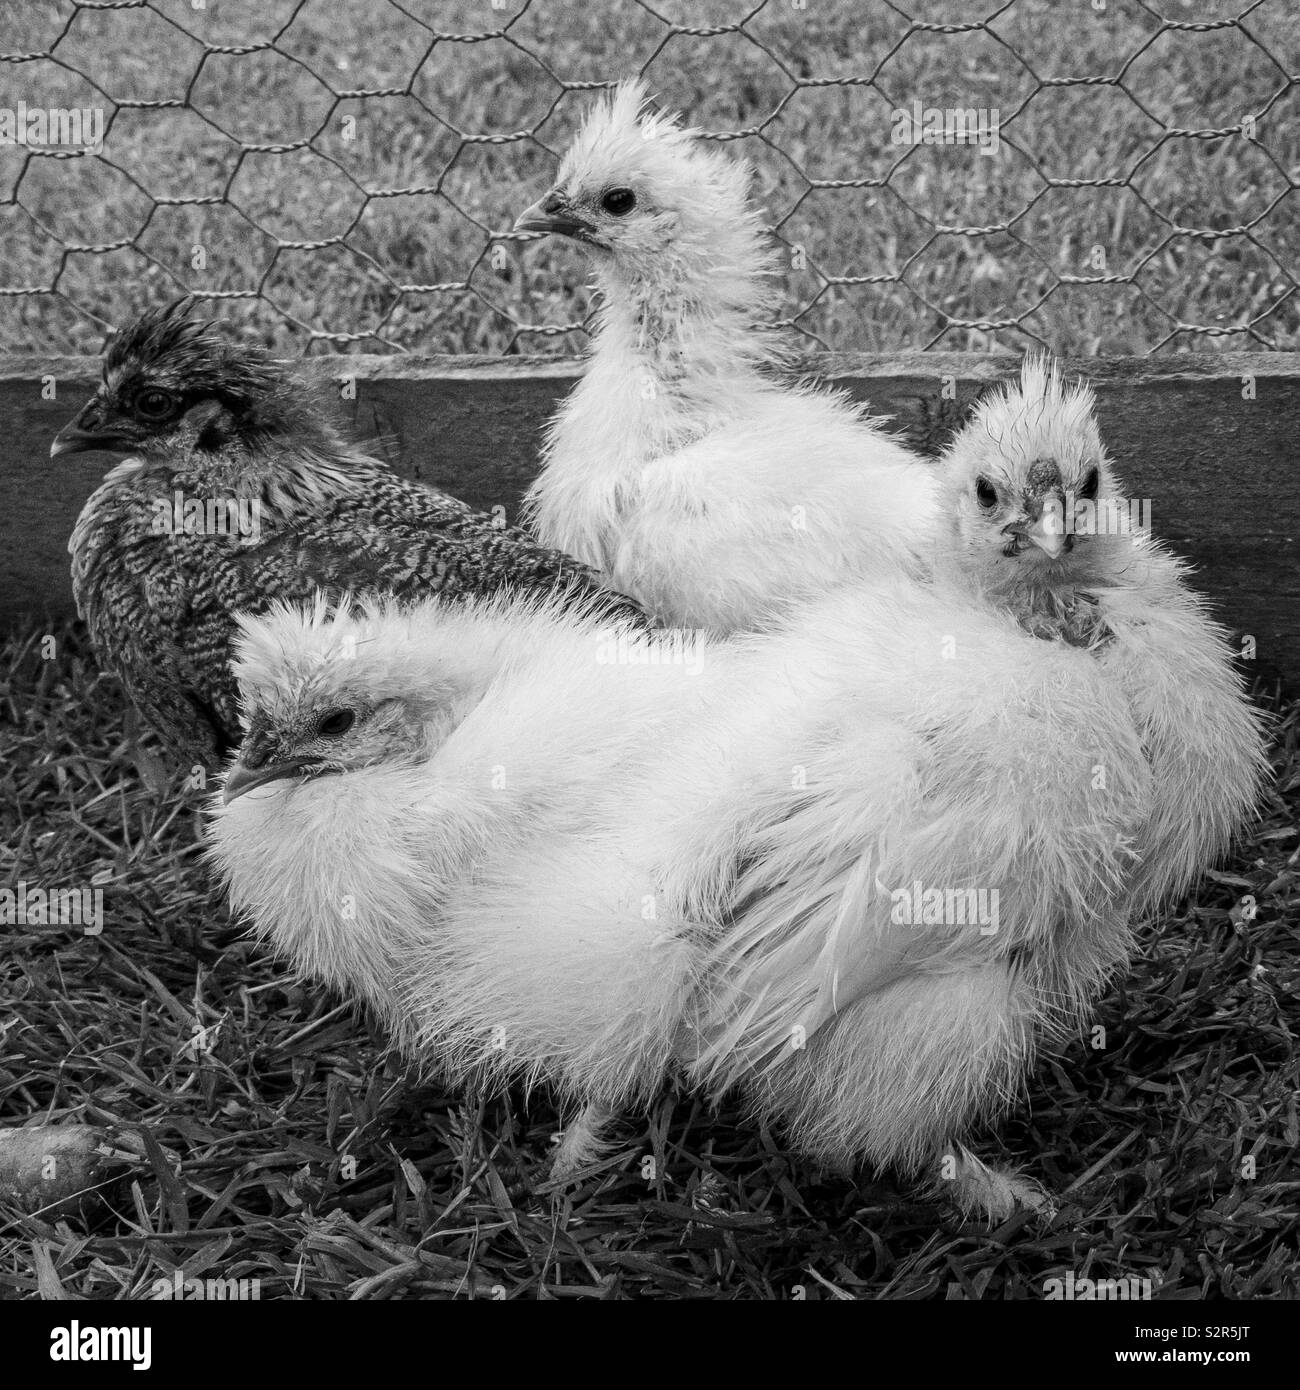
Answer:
[(240, 490)]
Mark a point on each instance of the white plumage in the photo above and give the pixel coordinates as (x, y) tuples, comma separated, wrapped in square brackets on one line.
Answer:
[(1039, 524), (938, 757), (681, 466), (575, 853), (476, 836)]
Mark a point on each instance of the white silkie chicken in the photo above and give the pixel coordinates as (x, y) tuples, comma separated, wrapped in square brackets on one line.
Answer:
[(541, 848), (425, 812), (682, 466), (1039, 525), (925, 881)]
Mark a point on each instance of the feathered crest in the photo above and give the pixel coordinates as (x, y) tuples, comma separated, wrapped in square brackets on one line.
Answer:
[(162, 330), (625, 119), (625, 139), (170, 341), (1040, 414), (301, 638), (393, 647), (1040, 406)]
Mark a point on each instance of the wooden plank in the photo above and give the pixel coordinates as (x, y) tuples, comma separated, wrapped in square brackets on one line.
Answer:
[(1219, 468)]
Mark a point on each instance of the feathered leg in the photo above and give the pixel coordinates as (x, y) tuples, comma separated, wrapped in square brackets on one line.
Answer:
[(979, 1188), (581, 1142)]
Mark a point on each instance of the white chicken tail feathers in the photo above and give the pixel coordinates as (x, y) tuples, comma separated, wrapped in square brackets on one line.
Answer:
[(990, 836), (1202, 737), (890, 1078)]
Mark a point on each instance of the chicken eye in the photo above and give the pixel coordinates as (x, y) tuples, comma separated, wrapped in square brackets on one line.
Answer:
[(335, 723), (155, 404), (986, 494), (1088, 488), (618, 202)]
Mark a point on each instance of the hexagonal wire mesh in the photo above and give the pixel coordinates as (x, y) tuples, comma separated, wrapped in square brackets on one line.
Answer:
[(345, 174)]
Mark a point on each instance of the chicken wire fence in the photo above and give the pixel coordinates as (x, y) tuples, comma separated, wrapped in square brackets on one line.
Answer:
[(1098, 176)]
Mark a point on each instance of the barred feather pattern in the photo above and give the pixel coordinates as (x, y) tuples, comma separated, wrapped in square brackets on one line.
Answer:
[(159, 603)]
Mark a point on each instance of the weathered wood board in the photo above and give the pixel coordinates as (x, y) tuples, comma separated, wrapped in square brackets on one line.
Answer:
[(1219, 467)]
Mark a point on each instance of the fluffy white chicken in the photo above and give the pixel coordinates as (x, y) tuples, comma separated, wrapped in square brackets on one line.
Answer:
[(1039, 525), (922, 882), (546, 849), (426, 811), (681, 465)]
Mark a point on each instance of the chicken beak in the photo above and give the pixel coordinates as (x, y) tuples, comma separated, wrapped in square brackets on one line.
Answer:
[(241, 779), (553, 215), (1048, 529), (77, 438)]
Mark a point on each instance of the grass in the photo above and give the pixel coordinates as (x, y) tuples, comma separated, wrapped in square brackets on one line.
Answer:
[(385, 225), (244, 1174)]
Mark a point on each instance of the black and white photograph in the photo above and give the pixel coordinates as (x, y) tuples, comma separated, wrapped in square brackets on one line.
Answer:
[(649, 651)]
